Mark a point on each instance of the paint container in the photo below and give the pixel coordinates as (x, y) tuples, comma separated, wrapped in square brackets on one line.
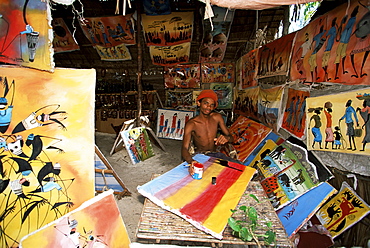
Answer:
[(198, 171)]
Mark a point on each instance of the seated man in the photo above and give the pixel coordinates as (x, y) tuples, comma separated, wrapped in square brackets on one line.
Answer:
[(202, 129)]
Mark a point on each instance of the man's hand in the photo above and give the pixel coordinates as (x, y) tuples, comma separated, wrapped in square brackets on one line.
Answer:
[(191, 167), (221, 140)]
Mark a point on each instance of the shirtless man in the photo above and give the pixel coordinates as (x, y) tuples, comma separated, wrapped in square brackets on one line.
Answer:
[(203, 128)]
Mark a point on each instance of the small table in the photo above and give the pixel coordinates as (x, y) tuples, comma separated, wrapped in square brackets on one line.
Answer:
[(159, 224)]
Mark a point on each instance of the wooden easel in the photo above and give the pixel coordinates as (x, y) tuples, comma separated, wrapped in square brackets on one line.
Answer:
[(127, 125)]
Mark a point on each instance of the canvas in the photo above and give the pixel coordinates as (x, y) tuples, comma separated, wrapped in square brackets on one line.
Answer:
[(168, 30), (63, 39), (287, 172), (26, 34), (342, 211), (182, 76), (96, 223), (247, 135), (179, 99), (205, 205), (246, 102), (224, 93), (137, 144), (249, 69), (47, 144), (334, 47), (170, 55), (114, 53), (171, 123), (294, 215), (338, 122), (294, 117), (218, 72)]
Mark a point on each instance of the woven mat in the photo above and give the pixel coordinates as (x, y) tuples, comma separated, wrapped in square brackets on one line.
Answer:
[(160, 224)]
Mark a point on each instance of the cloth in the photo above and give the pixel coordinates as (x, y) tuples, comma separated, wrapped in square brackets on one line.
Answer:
[(208, 93)]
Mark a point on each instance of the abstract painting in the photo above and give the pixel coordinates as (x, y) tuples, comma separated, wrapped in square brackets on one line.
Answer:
[(342, 211), (218, 72), (182, 76), (205, 205), (47, 147), (96, 223), (137, 144), (25, 34), (224, 93)]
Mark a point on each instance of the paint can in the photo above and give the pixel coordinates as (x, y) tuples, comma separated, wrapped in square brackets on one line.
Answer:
[(198, 171)]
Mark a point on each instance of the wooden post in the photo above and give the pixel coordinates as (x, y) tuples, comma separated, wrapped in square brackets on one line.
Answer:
[(139, 64)]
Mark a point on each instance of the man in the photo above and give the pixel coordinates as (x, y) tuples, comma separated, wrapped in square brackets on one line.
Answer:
[(350, 111), (202, 129)]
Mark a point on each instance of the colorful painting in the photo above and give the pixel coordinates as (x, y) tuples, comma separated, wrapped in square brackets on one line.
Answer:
[(109, 31), (338, 122), (249, 69), (205, 205), (216, 31), (238, 73), (171, 123), (343, 211), (47, 147), (246, 102), (96, 223), (168, 30), (299, 211), (157, 7), (287, 172), (114, 53), (63, 39), (273, 58), (170, 55), (224, 93), (25, 37), (294, 118), (182, 76), (334, 47), (218, 72), (247, 135), (269, 105), (179, 98), (137, 144)]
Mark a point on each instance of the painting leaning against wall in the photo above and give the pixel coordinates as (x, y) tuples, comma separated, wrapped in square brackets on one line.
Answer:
[(339, 123), (46, 147)]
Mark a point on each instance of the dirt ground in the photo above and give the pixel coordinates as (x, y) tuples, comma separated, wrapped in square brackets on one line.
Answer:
[(134, 175)]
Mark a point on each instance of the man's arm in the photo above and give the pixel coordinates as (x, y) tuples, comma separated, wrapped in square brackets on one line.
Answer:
[(186, 142), (226, 136)]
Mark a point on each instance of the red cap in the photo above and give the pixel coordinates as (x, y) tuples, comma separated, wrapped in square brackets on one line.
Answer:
[(208, 93)]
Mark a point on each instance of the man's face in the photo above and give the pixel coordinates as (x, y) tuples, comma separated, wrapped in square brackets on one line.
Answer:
[(206, 105)]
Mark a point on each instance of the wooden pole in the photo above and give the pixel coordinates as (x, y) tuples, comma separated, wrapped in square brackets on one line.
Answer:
[(139, 64)]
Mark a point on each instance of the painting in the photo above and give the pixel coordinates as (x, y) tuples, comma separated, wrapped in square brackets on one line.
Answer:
[(182, 76), (249, 69), (96, 223), (246, 102), (137, 144), (46, 145), (294, 215), (287, 172), (342, 117), (294, 117), (168, 30), (109, 31), (216, 29), (334, 47), (203, 204), (269, 105), (63, 39), (218, 72), (171, 123), (180, 98), (157, 7), (247, 134), (114, 53), (224, 93), (273, 58), (25, 37), (342, 211), (170, 55)]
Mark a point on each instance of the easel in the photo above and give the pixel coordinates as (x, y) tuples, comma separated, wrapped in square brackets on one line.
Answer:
[(127, 125), (107, 174)]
